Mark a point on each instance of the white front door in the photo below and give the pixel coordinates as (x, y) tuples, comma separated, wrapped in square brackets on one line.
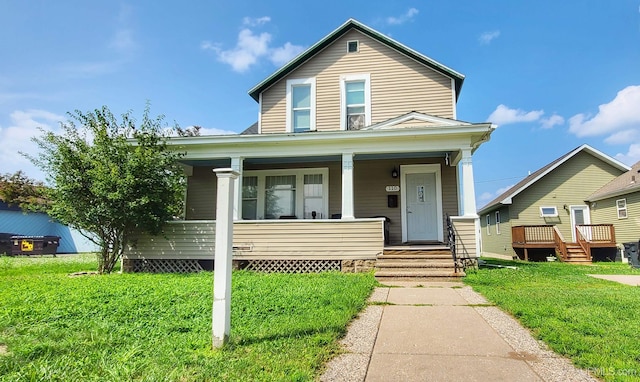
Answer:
[(579, 215), (422, 210)]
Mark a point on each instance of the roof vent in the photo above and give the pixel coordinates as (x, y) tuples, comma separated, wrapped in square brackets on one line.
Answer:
[(633, 178), (353, 46)]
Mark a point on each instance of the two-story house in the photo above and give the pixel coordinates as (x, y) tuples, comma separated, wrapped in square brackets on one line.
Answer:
[(356, 147)]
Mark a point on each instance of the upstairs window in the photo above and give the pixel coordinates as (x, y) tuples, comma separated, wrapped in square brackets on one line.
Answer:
[(621, 206), (301, 106), (355, 101)]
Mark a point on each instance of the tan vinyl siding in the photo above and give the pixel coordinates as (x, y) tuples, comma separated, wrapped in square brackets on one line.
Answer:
[(398, 85), (371, 178), (465, 229), (570, 183), (605, 212), (338, 239), (497, 244), (180, 240), (201, 194)]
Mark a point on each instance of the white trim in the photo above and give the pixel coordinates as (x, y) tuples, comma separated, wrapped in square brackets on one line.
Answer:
[(299, 174), (357, 46), (453, 98), (260, 114), (421, 169), (625, 209), (347, 210), (366, 77), (312, 113), (441, 122), (236, 165), (587, 218), (547, 215)]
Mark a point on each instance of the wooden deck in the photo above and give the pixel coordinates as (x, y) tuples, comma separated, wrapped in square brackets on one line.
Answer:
[(588, 236)]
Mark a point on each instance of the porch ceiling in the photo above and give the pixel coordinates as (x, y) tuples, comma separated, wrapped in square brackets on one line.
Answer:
[(313, 159)]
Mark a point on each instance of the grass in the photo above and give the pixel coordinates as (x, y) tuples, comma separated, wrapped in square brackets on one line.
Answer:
[(157, 327), (596, 323)]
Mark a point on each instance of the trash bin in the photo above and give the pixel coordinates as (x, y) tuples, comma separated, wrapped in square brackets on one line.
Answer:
[(35, 245), (5, 243), (631, 252)]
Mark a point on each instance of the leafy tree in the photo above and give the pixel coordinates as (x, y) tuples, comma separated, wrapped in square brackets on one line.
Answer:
[(193, 131), (111, 179), (18, 189)]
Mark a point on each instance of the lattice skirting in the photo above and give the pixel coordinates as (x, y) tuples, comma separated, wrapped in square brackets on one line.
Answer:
[(166, 266), (293, 266)]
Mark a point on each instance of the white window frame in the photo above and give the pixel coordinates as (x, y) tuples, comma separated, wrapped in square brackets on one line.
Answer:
[(488, 224), (357, 46), (619, 209), (497, 222), (366, 77), (547, 215), (312, 114), (299, 174)]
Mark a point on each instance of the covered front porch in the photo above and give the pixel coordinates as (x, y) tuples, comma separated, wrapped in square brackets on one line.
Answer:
[(328, 197)]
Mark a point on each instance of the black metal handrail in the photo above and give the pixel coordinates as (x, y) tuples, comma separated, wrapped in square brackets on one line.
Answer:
[(451, 241)]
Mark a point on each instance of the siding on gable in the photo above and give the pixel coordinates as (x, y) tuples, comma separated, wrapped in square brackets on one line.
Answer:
[(398, 85), (571, 183), (606, 212)]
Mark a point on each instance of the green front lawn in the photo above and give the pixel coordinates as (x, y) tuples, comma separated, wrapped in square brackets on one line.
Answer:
[(594, 322), (158, 326)]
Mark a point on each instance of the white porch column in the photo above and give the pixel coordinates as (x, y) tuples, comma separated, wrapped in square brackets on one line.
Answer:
[(347, 186), (468, 187), (236, 166), (221, 318)]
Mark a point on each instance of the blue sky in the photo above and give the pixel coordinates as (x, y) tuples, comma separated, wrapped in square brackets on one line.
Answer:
[(552, 74)]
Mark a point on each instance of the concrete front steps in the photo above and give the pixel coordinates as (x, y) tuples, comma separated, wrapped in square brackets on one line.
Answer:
[(576, 255), (416, 264)]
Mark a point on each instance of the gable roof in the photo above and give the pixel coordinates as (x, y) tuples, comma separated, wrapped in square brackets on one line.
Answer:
[(253, 129), (340, 31), (420, 118), (507, 196), (622, 185)]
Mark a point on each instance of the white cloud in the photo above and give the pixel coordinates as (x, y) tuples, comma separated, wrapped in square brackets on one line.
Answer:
[(487, 37), (251, 47), (632, 156), (215, 131), (485, 197), (254, 22), (407, 16), (282, 55), (623, 137), (622, 113), (548, 123), (503, 115), (17, 136)]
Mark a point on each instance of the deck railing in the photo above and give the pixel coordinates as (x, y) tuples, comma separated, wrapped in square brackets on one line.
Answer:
[(597, 233), (560, 243), (532, 234)]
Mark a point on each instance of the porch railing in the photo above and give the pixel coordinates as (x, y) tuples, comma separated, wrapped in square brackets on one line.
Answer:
[(451, 240), (560, 243), (597, 234), (532, 234)]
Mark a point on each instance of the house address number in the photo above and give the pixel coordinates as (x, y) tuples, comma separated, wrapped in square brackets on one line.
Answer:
[(393, 188)]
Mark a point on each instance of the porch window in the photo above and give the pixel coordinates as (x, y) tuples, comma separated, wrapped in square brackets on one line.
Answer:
[(249, 197), (355, 101), (280, 196), (313, 197), (301, 106), (497, 222), (621, 206), (286, 193)]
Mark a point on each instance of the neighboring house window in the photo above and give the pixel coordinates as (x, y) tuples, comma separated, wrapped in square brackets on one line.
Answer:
[(352, 46), (548, 212), (488, 224), (355, 101), (249, 197), (498, 222), (621, 205), (301, 105), (292, 193)]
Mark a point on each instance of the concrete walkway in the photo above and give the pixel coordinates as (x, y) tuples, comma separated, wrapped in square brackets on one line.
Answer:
[(442, 332)]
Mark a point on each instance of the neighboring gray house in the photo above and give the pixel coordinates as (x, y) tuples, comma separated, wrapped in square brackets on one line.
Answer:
[(14, 220)]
